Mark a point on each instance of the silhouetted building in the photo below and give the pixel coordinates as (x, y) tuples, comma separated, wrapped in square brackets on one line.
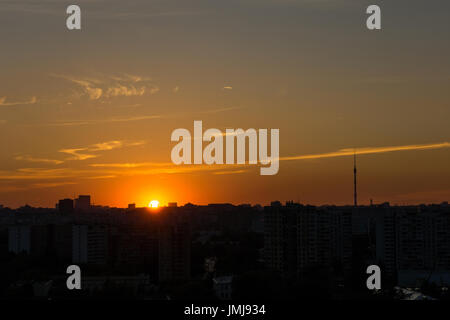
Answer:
[(298, 238), (413, 245), (19, 239), (174, 248), (41, 240), (83, 203), (89, 244), (65, 206), (136, 246)]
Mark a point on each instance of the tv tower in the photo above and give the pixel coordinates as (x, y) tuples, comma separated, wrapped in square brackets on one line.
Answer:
[(355, 196)]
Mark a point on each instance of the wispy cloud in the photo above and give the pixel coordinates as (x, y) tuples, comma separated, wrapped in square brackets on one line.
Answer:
[(48, 177), (369, 150), (51, 184), (131, 165), (106, 145), (85, 153), (109, 86), (53, 176), (77, 154), (135, 118), (39, 185), (108, 171), (101, 177), (230, 172), (102, 121), (5, 103), (221, 110), (130, 77), (174, 169), (154, 168), (39, 160), (37, 174), (161, 168)]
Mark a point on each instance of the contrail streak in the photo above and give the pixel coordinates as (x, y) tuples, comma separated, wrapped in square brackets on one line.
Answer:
[(370, 150)]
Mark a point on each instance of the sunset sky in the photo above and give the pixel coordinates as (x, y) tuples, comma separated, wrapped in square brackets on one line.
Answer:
[(92, 111)]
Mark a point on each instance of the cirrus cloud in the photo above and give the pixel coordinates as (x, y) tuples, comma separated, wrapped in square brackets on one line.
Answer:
[(5, 103), (112, 86)]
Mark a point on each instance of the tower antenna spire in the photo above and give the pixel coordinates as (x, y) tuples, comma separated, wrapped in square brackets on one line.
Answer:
[(355, 195)]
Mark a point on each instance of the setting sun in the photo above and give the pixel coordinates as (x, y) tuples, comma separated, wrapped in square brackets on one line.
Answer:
[(154, 204)]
